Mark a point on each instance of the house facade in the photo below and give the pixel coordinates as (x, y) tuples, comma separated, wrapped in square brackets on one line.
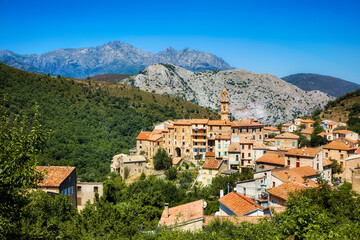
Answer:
[(87, 192)]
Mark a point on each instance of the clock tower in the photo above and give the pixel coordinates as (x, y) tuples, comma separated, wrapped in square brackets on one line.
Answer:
[(224, 105)]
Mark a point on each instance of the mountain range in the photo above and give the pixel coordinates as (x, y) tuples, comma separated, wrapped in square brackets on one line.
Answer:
[(263, 96), (113, 57), (335, 87)]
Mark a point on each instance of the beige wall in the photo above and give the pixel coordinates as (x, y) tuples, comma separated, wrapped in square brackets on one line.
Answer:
[(339, 155), (142, 145), (284, 143), (86, 192), (315, 162), (349, 164), (221, 148), (254, 133)]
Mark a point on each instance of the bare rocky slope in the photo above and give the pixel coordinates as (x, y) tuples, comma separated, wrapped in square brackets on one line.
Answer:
[(263, 96), (113, 57)]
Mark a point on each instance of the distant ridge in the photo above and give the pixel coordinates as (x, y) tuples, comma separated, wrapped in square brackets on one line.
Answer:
[(112, 57), (333, 86), (110, 77)]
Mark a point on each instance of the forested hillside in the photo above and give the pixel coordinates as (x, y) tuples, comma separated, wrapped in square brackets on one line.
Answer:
[(89, 121)]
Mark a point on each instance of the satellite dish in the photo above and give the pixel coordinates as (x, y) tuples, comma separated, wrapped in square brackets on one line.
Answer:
[(204, 204)]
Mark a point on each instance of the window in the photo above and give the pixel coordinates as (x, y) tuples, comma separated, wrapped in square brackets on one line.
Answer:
[(288, 162), (219, 146), (249, 154), (79, 188), (259, 136), (233, 130), (317, 166), (297, 164), (219, 154), (243, 155), (264, 152), (69, 179), (220, 128), (210, 171), (249, 146), (243, 146), (226, 145), (79, 201), (273, 184), (293, 144), (237, 157), (96, 189), (341, 156), (71, 190), (208, 181), (278, 143), (341, 164), (183, 130), (326, 155)]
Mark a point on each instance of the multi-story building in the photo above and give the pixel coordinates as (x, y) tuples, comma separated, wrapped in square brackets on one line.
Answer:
[(346, 134), (270, 130), (222, 143), (199, 140), (249, 128), (211, 169), (286, 141), (127, 166), (288, 127), (312, 157), (59, 180), (87, 191)]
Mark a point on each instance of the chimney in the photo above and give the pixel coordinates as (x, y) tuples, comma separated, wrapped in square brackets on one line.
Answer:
[(166, 209), (221, 193)]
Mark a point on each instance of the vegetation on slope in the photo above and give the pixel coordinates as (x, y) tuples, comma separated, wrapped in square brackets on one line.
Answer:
[(345, 109), (90, 121), (327, 84)]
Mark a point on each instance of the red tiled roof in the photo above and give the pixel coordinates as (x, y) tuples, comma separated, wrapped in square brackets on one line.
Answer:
[(294, 177), (308, 121), (155, 137), (199, 121), (176, 160), (331, 123), (183, 122), (303, 152), (234, 147), (236, 220), (183, 213), (54, 175), (326, 162), (212, 164), (307, 131), (284, 189), (272, 159), (143, 136), (342, 131), (219, 123), (337, 146), (239, 204), (210, 154), (305, 171), (287, 136), (323, 134), (246, 122), (271, 128), (357, 151), (287, 124)]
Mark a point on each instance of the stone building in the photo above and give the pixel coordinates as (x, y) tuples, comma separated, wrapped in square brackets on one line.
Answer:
[(59, 180), (350, 164), (286, 141), (312, 157), (270, 161), (338, 151), (279, 195), (237, 204), (249, 128), (211, 169), (222, 143), (123, 163), (224, 105), (86, 191), (288, 127)]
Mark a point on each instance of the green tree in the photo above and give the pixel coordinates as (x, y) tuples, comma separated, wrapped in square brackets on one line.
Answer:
[(186, 179), (161, 159), (20, 146), (317, 140), (171, 173)]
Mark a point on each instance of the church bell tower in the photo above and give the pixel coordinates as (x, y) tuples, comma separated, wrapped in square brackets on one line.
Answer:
[(224, 105)]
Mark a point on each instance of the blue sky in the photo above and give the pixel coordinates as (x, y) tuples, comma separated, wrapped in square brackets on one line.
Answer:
[(278, 37)]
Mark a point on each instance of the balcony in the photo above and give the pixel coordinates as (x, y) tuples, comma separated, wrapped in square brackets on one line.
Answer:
[(199, 147), (199, 140), (199, 128)]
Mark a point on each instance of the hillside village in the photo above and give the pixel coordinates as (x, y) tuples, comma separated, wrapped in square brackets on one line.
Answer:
[(223, 147)]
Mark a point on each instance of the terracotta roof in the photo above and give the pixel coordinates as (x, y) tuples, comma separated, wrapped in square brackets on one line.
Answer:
[(284, 189), (308, 121), (183, 213), (271, 128), (212, 164), (219, 123), (183, 122), (272, 159), (143, 135), (157, 131), (351, 140), (337, 146), (294, 177), (307, 131), (234, 147), (245, 122), (171, 126), (176, 160), (331, 123), (357, 151), (342, 131), (199, 121), (259, 145), (236, 220), (305, 171), (287, 124), (287, 135), (224, 137), (323, 134), (239, 204), (250, 180), (326, 162), (210, 154), (54, 175), (304, 152), (155, 137)]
